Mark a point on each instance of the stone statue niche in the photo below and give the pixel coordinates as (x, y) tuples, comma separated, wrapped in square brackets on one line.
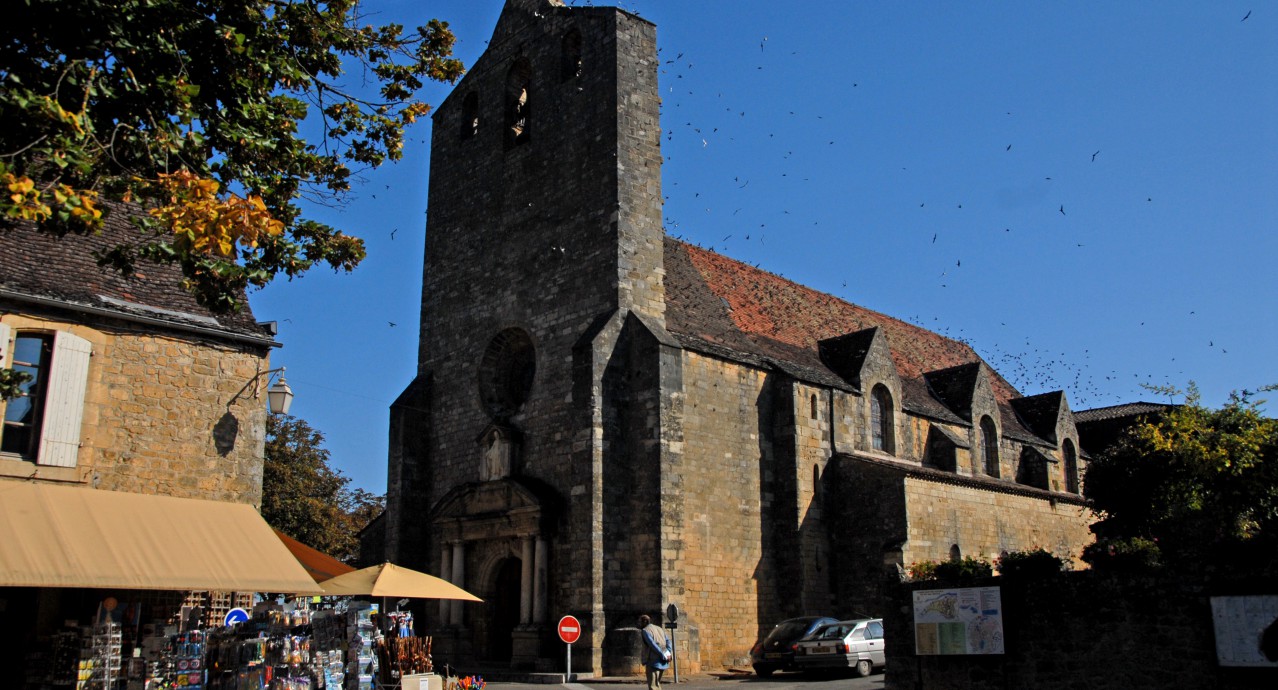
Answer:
[(498, 453)]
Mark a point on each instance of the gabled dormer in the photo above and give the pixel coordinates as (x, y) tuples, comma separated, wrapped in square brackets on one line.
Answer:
[(966, 391), (864, 360), (1049, 417)]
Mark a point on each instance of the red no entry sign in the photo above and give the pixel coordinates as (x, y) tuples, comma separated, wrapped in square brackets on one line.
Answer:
[(569, 629)]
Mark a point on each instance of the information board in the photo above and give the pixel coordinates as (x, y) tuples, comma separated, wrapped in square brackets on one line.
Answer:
[(966, 620), (1246, 630)]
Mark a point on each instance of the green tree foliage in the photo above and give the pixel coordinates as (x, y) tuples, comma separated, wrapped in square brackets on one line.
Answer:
[(191, 108), (1195, 489), (305, 498)]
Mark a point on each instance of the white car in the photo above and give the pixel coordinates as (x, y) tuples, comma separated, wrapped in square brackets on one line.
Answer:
[(856, 644)]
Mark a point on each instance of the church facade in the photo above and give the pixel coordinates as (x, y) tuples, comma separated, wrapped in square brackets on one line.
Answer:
[(606, 420)]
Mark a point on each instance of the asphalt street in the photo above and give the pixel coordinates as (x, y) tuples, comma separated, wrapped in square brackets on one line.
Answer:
[(780, 681)]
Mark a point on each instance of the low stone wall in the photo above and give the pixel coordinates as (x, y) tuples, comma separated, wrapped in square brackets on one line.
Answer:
[(1083, 630)]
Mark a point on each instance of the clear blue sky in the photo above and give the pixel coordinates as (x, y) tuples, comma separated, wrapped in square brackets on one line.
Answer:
[(1087, 192)]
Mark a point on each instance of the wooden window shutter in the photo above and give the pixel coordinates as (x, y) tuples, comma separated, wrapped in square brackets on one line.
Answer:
[(64, 401), (5, 332)]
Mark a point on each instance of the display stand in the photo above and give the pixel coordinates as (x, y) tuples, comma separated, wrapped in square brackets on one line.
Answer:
[(100, 660)]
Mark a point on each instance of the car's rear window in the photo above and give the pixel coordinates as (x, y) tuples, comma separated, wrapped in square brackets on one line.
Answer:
[(789, 629)]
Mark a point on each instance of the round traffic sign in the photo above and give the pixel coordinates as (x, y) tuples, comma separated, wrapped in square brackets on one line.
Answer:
[(235, 615), (569, 629)]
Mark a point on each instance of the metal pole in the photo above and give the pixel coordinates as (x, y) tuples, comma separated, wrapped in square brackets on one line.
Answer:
[(674, 655), (568, 669)]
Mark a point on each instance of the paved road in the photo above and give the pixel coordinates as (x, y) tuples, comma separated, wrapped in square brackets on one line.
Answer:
[(780, 681)]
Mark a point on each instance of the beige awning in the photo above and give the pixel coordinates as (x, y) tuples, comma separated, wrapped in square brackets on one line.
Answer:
[(70, 536), (390, 580)]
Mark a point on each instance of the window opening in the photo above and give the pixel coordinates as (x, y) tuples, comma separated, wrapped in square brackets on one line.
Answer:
[(1071, 466), (989, 444), (570, 56), (881, 425), (470, 116), (812, 406), (955, 553), (517, 103), (23, 414)]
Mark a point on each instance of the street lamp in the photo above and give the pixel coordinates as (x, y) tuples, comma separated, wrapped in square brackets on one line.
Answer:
[(279, 397)]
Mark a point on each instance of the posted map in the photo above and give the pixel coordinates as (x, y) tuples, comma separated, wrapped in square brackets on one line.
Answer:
[(1242, 624), (967, 620)]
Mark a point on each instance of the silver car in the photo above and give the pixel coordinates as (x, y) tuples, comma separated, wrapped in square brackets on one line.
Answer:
[(856, 644)]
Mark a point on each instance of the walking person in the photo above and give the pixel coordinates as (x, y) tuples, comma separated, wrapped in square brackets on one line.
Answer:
[(656, 651)]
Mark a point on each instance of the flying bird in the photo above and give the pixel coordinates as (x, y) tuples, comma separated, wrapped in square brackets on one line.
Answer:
[(1247, 15), (1062, 209), (1094, 155)]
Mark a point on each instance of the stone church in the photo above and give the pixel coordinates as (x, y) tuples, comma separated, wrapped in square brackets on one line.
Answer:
[(606, 420)]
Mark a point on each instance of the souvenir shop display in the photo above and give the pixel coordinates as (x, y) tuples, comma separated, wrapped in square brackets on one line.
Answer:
[(361, 656), (399, 652), (101, 659)]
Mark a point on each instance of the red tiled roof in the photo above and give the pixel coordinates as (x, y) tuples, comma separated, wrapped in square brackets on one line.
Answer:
[(725, 303)]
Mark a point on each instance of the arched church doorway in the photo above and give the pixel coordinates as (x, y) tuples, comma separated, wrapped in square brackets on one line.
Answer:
[(504, 609)]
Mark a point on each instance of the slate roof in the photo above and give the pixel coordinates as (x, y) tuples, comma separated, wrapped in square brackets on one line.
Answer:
[(955, 386), (62, 268), (1123, 411), (1040, 412), (723, 306)]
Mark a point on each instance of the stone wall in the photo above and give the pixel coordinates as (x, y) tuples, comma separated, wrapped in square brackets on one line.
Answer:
[(163, 415), (728, 462), (985, 522), (886, 515), (1083, 630)]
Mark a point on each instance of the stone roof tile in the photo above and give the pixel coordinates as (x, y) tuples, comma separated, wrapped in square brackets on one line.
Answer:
[(728, 304), (63, 268)]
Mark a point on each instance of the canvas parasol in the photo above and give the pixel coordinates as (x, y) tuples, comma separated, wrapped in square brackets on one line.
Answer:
[(390, 580)]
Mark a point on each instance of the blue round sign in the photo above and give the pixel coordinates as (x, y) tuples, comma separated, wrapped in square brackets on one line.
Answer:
[(236, 615)]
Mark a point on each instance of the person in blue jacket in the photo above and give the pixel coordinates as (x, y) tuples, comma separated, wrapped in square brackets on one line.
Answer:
[(656, 651)]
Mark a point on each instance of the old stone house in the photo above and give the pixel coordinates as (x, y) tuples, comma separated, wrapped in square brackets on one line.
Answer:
[(606, 420), (138, 388)]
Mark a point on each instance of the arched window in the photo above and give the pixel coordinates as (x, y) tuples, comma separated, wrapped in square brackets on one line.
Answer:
[(517, 103), (989, 446), (816, 482), (1071, 466), (470, 116), (570, 56), (881, 424), (812, 406), (955, 553)]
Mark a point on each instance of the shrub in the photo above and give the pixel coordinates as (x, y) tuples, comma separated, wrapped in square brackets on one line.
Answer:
[(967, 568), (1035, 563), (1124, 555)]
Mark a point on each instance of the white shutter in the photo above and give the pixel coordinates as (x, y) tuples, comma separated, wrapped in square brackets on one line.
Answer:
[(4, 347), (64, 401)]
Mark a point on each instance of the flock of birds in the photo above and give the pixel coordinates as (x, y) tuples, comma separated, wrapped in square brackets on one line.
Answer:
[(1030, 368)]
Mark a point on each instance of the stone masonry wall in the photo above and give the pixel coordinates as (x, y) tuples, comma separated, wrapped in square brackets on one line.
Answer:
[(164, 415), (728, 464), (1084, 630), (985, 523)]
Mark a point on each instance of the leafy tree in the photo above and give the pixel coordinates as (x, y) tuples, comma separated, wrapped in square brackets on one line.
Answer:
[(305, 498), (1194, 489), (191, 109)]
